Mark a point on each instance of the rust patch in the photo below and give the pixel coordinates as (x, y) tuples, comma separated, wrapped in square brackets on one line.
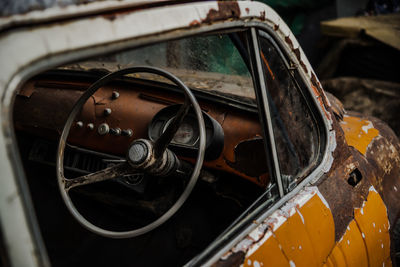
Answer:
[(194, 23), (276, 27), (110, 17), (296, 51), (247, 10), (262, 15), (337, 106), (225, 10), (289, 42), (380, 167), (342, 197), (383, 154), (318, 86)]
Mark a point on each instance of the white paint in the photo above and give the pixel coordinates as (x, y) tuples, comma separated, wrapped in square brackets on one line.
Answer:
[(328, 160), (255, 246), (226, 255), (300, 247), (366, 128), (249, 262), (256, 264), (259, 232), (301, 215), (363, 235), (323, 199), (277, 219), (382, 245), (373, 224), (372, 188), (63, 11), (380, 231), (292, 264), (348, 242), (243, 245), (348, 227), (362, 211)]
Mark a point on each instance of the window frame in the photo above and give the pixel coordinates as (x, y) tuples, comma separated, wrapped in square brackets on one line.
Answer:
[(236, 232), (295, 75)]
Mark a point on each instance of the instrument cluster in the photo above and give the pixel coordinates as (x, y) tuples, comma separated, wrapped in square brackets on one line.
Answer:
[(186, 139)]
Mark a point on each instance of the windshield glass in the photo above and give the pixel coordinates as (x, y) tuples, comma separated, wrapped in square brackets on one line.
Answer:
[(210, 63)]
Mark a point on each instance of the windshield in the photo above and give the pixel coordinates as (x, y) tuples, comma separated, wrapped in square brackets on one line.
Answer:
[(210, 63)]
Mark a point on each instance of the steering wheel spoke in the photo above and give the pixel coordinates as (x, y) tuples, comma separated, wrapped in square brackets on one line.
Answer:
[(112, 172), (166, 137)]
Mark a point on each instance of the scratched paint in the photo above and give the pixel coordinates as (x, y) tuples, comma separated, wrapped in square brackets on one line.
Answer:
[(366, 240), (301, 233), (358, 132)]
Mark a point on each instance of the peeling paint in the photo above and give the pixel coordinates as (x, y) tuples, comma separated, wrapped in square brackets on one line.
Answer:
[(359, 133)]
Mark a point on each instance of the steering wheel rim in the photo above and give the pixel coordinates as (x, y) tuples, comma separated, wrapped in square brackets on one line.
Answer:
[(62, 144)]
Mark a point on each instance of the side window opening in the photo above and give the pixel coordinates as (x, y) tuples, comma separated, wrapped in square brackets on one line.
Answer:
[(296, 130)]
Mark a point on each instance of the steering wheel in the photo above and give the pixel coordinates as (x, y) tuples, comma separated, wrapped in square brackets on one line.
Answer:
[(142, 155)]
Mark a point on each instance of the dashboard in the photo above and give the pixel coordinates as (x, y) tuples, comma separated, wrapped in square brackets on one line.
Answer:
[(123, 111)]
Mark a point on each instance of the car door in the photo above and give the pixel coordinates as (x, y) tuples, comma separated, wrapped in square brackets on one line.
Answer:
[(309, 228)]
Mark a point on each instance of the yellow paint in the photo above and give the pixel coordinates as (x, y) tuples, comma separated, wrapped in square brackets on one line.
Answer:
[(336, 257), (358, 132), (373, 222), (269, 254), (295, 242), (366, 241), (305, 238), (352, 246), (320, 227)]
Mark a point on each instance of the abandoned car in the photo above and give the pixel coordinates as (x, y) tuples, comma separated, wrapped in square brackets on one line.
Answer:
[(139, 133)]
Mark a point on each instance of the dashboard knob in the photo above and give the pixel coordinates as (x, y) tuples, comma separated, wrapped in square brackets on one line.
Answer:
[(115, 131), (103, 129), (90, 126), (115, 95), (107, 111), (127, 132)]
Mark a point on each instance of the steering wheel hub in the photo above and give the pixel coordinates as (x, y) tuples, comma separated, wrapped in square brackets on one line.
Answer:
[(138, 153)]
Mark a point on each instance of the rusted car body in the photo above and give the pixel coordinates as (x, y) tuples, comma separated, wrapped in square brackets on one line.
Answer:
[(339, 208)]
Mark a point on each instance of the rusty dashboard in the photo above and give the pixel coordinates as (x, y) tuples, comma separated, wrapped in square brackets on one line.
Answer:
[(123, 111)]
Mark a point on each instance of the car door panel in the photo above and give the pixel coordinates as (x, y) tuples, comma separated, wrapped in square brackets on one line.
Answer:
[(302, 232)]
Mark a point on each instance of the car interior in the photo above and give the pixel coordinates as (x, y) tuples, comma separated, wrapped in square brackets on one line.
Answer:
[(142, 105), (146, 156)]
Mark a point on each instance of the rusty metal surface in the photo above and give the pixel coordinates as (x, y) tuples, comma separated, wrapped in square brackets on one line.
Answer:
[(226, 10), (383, 155), (379, 168)]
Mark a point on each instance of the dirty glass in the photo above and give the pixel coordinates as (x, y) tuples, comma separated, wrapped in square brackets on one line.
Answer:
[(295, 129), (210, 62)]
